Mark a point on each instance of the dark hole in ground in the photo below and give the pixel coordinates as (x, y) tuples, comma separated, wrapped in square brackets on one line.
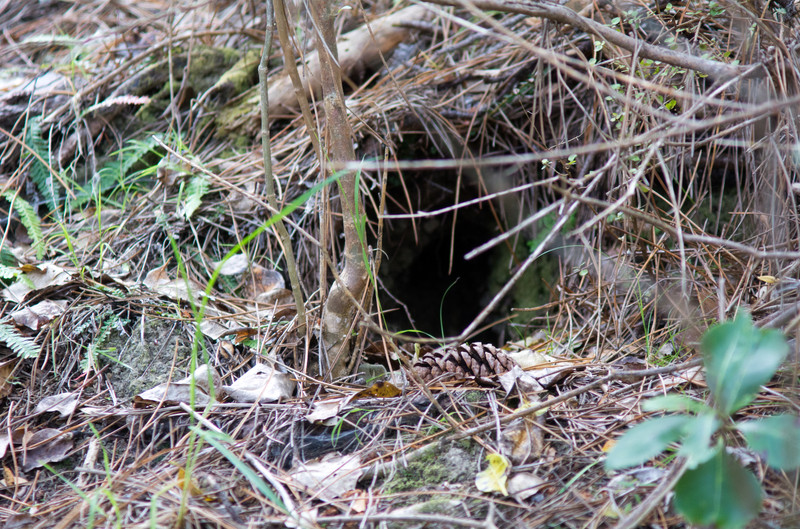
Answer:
[(416, 270)]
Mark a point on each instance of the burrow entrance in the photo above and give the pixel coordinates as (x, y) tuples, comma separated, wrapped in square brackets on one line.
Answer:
[(440, 298)]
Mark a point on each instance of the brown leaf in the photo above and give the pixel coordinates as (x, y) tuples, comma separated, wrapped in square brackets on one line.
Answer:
[(261, 281), (63, 403), (172, 393), (47, 445), (6, 370), (39, 315)]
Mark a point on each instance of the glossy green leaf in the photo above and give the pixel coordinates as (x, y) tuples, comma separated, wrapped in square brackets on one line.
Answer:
[(739, 359), (777, 438), (696, 445), (719, 493), (646, 440), (674, 403)]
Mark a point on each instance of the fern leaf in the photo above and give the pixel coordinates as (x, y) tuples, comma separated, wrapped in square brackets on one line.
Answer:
[(114, 171), (24, 347), (40, 173), (136, 152), (195, 190), (29, 219)]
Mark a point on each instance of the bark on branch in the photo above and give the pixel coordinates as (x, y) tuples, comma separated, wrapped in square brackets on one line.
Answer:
[(339, 311)]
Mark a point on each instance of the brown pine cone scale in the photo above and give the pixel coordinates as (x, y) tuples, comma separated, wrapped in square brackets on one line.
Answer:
[(466, 361)]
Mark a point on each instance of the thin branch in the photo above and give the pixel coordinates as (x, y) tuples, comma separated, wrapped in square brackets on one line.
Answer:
[(564, 15), (619, 375), (280, 227)]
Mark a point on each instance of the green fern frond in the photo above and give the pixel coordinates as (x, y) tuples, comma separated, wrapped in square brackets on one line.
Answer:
[(29, 219), (40, 173), (124, 159), (114, 171), (109, 321), (195, 191), (24, 347)]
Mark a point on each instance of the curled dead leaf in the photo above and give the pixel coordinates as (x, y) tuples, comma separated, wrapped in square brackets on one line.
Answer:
[(37, 316), (261, 383), (235, 265), (171, 393)]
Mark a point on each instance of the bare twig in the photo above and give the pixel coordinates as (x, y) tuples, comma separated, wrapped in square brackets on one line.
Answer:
[(637, 516), (579, 391), (565, 15), (280, 227)]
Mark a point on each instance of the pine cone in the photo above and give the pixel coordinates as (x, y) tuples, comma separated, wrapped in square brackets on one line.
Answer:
[(464, 361)]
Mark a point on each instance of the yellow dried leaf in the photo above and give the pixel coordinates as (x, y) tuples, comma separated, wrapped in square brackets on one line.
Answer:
[(9, 476), (770, 280), (6, 371), (193, 489), (380, 389), (493, 479)]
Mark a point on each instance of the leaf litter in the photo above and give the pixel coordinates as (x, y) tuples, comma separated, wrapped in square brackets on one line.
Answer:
[(127, 258)]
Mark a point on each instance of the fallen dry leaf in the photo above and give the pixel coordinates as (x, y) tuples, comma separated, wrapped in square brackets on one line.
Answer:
[(159, 281), (380, 390), (329, 478), (523, 485), (261, 383), (237, 264), (6, 370), (171, 393), (494, 478), (39, 315), (47, 445), (522, 441), (517, 378), (46, 275), (325, 409), (63, 403), (5, 442)]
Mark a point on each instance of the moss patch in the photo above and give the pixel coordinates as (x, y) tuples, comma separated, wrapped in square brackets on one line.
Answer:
[(451, 463), (205, 67), (145, 358)]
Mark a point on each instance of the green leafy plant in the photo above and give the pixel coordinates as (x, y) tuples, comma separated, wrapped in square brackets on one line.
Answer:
[(29, 219), (24, 347), (117, 175), (715, 489), (195, 191), (38, 154)]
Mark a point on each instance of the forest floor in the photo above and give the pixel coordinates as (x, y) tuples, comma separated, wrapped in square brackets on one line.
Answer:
[(559, 202)]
